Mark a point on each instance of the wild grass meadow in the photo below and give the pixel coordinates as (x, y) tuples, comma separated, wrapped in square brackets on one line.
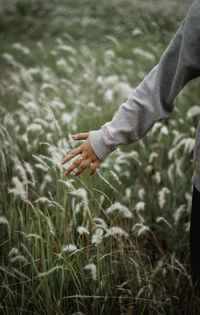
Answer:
[(117, 242)]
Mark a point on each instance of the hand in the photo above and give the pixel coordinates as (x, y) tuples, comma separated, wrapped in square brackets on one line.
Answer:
[(86, 157)]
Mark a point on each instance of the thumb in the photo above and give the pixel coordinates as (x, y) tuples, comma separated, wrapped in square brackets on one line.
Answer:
[(80, 136)]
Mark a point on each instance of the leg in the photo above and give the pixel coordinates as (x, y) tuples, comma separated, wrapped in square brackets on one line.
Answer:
[(195, 240)]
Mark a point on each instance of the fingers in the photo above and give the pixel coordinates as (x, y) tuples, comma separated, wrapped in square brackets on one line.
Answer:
[(72, 155), (74, 165), (83, 167), (87, 156), (80, 136), (94, 167)]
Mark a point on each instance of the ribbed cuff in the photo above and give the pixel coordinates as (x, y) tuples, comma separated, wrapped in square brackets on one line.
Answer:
[(98, 144)]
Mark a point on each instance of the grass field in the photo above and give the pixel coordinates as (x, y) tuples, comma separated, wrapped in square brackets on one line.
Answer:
[(117, 242)]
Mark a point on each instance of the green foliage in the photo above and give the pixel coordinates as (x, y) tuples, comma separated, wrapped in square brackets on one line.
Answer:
[(88, 19)]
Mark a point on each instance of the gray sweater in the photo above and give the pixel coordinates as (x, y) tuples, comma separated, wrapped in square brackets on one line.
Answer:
[(153, 99)]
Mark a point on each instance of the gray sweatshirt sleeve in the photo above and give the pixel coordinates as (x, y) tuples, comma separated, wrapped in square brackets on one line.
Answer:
[(153, 99)]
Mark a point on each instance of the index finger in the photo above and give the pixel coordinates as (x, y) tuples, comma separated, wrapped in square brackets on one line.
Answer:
[(71, 155), (80, 136)]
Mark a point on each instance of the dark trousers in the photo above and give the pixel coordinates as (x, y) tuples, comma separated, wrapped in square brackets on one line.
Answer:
[(195, 239)]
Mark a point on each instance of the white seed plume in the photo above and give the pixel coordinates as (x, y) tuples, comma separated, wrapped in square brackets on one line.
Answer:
[(76, 208), (41, 161), (56, 156), (102, 198), (13, 251), (157, 268), (193, 111), (155, 127), (100, 222), (170, 172), (97, 236), (48, 86), (19, 189), (149, 169), (164, 130), (20, 273), (10, 59), (162, 196), (116, 230), (44, 124), (178, 167), (128, 192), (141, 193), (108, 96), (47, 179), (153, 156), (3, 161), (69, 248), (67, 49), (117, 206), (51, 228), (45, 200), (115, 177), (144, 54), (82, 193), (188, 197), (19, 258), (157, 177), (140, 229), (51, 116), (61, 63), (187, 227), (3, 220), (140, 206), (92, 267), (22, 48), (187, 143), (161, 219), (66, 118), (136, 32), (81, 230), (30, 171), (42, 274), (34, 128), (178, 213), (30, 235), (22, 172)]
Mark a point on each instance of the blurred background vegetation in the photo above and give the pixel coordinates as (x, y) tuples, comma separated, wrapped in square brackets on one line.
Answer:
[(88, 19)]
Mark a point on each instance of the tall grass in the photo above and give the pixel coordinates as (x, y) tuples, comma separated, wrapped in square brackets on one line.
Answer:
[(114, 243)]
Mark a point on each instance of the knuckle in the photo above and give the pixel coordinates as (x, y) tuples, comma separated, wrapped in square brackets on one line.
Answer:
[(76, 163), (71, 153)]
